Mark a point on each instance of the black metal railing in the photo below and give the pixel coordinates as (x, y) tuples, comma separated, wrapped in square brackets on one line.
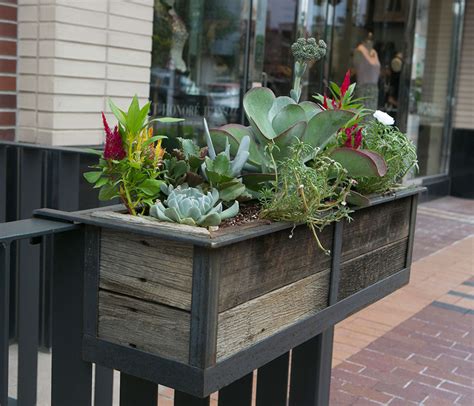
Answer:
[(32, 177)]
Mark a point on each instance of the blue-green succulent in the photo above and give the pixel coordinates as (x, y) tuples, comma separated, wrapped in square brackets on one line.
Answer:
[(191, 206)]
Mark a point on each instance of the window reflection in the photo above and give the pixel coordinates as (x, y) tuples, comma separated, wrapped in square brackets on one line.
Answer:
[(198, 59)]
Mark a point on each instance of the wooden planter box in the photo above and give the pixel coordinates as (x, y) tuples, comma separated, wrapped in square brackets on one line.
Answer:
[(196, 312)]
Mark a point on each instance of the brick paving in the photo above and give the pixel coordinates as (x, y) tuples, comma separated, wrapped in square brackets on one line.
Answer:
[(416, 346)]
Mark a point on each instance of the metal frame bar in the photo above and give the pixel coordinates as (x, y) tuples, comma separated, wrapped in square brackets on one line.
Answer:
[(4, 319), (135, 391)]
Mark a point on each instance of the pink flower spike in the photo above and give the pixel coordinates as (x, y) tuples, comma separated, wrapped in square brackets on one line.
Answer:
[(113, 145), (346, 83), (107, 130)]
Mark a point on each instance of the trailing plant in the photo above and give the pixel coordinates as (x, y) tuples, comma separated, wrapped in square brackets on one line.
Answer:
[(191, 206), (314, 194), (398, 151), (130, 167)]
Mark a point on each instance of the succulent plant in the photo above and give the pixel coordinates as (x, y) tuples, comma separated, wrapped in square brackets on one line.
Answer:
[(276, 123), (191, 206), (241, 156), (304, 51)]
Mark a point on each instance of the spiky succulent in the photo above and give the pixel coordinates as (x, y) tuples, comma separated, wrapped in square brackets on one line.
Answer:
[(191, 206)]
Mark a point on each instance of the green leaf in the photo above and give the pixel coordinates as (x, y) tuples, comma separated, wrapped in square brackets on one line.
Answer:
[(324, 125), (189, 147), (92, 177), (288, 117), (119, 114), (257, 104), (169, 120), (231, 191), (256, 181), (133, 116), (310, 108), (291, 136), (98, 152), (153, 139), (107, 192), (360, 162), (150, 187), (357, 199), (101, 182)]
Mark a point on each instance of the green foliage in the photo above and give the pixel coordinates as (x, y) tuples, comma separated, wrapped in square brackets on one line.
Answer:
[(396, 149), (191, 206), (314, 194), (277, 123), (130, 167)]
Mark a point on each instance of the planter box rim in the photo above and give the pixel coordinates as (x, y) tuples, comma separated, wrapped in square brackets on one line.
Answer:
[(236, 235)]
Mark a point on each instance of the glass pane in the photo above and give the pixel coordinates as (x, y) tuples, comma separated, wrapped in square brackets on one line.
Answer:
[(368, 37), (429, 83), (279, 35), (198, 59)]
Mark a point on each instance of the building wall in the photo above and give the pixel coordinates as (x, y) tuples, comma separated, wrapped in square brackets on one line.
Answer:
[(8, 48), (463, 113), (72, 56)]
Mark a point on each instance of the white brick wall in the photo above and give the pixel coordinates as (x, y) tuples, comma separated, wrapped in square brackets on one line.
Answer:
[(73, 54)]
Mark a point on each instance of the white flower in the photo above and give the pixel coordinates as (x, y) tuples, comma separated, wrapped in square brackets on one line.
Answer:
[(384, 118)]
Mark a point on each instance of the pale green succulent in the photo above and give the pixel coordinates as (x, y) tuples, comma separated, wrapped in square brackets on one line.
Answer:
[(191, 206), (276, 123)]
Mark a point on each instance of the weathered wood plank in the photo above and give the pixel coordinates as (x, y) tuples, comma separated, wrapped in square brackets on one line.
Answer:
[(143, 325), (376, 226), (151, 222), (147, 268), (242, 326), (365, 270), (255, 267)]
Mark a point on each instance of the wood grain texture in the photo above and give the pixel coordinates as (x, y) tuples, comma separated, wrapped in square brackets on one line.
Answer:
[(242, 326), (373, 227), (363, 271), (143, 325), (255, 267), (151, 222), (147, 268)]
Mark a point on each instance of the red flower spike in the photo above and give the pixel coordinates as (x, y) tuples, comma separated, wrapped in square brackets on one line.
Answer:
[(346, 83), (113, 148), (325, 102)]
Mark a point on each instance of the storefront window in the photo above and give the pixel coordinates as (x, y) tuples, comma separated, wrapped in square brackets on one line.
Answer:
[(430, 76), (368, 37), (198, 59)]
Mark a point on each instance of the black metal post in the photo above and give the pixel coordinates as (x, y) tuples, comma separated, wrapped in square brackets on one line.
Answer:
[(312, 361), (104, 385), (4, 320), (272, 382), (136, 391), (238, 393), (71, 376)]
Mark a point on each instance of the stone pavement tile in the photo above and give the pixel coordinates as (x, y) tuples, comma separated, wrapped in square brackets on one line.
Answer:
[(437, 370)]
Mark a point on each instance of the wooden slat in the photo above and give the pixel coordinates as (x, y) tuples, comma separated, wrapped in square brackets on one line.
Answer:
[(144, 325), (240, 327), (376, 226), (365, 270), (255, 267), (147, 268)]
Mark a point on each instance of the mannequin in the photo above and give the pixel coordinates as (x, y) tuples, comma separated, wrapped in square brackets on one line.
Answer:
[(367, 69), (180, 36)]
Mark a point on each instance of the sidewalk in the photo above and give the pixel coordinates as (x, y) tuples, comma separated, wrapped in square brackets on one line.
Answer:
[(416, 346)]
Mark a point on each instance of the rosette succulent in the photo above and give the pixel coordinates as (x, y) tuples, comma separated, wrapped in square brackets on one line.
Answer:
[(191, 206)]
